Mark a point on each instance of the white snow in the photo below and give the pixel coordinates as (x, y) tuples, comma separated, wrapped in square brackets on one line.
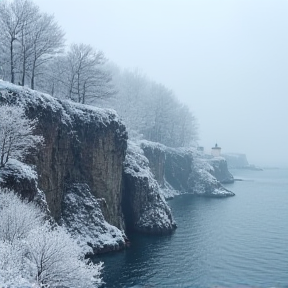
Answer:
[(84, 220), (66, 108), (21, 170)]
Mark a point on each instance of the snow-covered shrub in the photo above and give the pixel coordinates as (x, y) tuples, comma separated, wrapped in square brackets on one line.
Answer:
[(16, 133), (55, 259), (35, 253), (12, 266), (17, 217)]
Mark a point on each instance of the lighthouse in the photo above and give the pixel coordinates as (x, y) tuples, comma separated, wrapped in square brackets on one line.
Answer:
[(216, 151)]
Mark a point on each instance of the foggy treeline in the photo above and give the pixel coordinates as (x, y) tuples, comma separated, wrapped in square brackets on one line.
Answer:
[(33, 53)]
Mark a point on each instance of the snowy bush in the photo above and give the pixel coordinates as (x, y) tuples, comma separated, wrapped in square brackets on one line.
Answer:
[(16, 136), (54, 258), (35, 253), (17, 218)]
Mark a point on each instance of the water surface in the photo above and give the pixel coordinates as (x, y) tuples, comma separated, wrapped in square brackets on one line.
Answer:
[(240, 241)]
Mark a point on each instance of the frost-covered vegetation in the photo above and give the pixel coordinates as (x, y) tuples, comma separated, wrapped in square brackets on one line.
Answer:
[(16, 134), (34, 252), (153, 110)]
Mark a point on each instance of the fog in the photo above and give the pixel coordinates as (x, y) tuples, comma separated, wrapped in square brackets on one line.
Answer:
[(228, 60)]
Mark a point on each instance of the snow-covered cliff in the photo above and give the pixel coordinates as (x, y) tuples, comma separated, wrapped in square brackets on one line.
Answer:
[(183, 170), (82, 145), (144, 207)]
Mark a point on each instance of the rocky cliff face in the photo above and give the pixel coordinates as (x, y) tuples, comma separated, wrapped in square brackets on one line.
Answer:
[(220, 170), (183, 170), (145, 209), (83, 217), (81, 145), (236, 160)]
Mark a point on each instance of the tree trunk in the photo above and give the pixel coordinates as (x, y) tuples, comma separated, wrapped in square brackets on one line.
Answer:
[(23, 68), (78, 88), (12, 62), (33, 74)]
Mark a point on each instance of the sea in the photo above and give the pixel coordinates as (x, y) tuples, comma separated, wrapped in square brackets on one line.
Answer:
[(240, 241)]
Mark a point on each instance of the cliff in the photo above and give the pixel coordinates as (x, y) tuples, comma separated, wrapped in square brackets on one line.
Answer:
[(239, 161), (86, 179), (236, 160), (81, 173), (184, 170), (220, 170), (145, 209), (82, 144)]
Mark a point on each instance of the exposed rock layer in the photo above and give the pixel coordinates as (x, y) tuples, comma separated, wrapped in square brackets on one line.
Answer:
[(82, 144)]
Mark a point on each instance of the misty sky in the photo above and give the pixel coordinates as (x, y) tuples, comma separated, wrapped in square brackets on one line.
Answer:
[(228, 60)]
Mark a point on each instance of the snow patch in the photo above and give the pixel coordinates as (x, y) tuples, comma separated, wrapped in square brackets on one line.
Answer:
[(83, 218)]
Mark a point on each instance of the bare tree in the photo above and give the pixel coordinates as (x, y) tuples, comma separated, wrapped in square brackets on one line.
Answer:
[(16, 134), (55, 260), (14, 17), (86, 78), (153, 110), (47, 40), (29, 37)]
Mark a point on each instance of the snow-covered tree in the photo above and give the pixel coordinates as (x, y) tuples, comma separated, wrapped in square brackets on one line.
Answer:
[(153, 110), (12, 266), (18, 217), (82, 73), (12, 21), (35, 253), (47, 40), (54, 259), (28, 40), (16, 133)]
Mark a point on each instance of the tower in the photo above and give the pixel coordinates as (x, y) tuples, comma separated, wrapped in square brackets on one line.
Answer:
[(216, 151)]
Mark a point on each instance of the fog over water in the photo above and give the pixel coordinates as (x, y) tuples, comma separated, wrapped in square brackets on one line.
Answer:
[(228, 60)]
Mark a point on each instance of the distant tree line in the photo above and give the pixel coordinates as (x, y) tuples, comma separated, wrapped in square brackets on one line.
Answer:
[(33, 54), (153, 110)]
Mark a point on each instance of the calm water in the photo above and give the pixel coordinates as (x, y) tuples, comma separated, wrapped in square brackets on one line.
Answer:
[(235, 242)]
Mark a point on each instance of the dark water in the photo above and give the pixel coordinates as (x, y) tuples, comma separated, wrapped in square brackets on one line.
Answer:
[(235, 242)]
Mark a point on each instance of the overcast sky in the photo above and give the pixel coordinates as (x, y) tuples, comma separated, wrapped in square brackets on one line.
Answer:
[(226, 59)]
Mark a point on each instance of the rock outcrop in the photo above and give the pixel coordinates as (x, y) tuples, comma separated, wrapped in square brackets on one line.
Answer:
[(220, 170), (239, 161), (183, 170), (144, 208), (20, 178), (83, 217), (236, 160)]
